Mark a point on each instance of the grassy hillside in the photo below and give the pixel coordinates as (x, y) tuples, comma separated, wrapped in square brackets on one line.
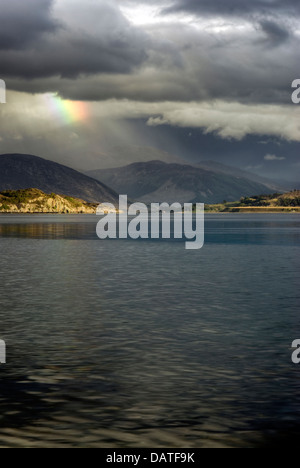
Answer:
[(36, 201)]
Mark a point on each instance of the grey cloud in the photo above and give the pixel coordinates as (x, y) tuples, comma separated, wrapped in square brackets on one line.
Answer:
[(111, 45), (234, 7), (24, 21), (72, 57), (273, 157), (97, 54), (231, 66), (276, 33)]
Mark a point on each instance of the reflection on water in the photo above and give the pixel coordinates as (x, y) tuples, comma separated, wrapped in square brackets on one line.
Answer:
[(48, 231), (143, 344), (279, 229)]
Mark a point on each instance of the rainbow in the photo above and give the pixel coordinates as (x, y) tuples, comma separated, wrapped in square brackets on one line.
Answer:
[(68, 112)]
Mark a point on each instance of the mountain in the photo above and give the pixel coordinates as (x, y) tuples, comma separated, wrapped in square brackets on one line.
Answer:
[(236, 172), (129, 154), (157, 181), (22, 171)]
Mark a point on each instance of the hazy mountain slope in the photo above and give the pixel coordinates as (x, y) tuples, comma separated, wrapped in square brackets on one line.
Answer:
[(156, 181), (20, 171), (234, 171)]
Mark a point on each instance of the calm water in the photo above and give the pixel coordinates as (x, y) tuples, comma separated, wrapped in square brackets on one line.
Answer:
[(144, 344)]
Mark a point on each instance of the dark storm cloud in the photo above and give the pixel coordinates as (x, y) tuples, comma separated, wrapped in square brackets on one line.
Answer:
[(87, 47), (234, 7), (24, 21), (276, 33), (68, 57), (91, 51)]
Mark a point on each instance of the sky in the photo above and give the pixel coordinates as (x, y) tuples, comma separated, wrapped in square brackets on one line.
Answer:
[(199, 79)]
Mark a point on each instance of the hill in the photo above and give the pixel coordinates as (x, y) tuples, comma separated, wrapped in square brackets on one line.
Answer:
[(287, 202), (36, 201), (157, 181), (21, 171)]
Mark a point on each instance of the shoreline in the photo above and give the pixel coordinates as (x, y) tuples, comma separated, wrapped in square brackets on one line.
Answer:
[(248, 210), (254, 210)]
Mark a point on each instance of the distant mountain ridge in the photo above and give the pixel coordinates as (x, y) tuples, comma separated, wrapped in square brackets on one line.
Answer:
[(125, 155), (156, 181), (23, 171), (237, 172)]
